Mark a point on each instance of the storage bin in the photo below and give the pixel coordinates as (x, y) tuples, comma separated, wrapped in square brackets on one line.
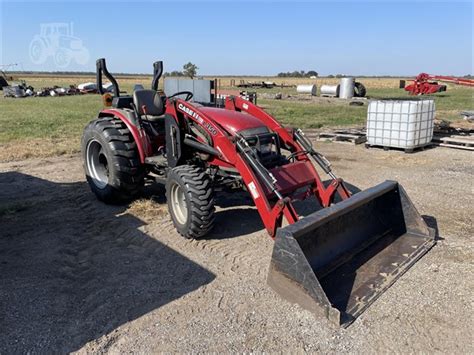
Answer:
[(406, 124), (307, 89), (330, 90), (346, 90)]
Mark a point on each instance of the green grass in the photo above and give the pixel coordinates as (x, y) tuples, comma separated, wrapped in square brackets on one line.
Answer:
[(306, 115), (316, 115), (53, 125), (46, 117)]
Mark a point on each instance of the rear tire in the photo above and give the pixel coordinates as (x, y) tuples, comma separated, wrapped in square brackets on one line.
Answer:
[(359, 90), (111, 161), (190, 199)]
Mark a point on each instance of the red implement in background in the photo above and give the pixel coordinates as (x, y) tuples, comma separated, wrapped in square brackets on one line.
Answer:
[(422, 84)]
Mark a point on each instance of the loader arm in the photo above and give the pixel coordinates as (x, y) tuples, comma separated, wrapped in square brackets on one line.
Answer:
[(301, 147)]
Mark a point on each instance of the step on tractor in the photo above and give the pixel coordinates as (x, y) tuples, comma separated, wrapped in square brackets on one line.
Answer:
[(334, 262)]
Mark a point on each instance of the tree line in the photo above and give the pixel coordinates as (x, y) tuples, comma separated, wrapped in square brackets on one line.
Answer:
[(189, 70), (298, 74)]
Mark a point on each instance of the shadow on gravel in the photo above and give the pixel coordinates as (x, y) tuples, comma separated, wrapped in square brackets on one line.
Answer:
[(73, 269), (241, 217)]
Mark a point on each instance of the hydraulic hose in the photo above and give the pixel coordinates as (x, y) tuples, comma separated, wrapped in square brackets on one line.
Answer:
[(318, 157), (261, 171)]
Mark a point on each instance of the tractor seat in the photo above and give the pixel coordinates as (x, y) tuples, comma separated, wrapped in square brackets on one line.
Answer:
[(149, 104)]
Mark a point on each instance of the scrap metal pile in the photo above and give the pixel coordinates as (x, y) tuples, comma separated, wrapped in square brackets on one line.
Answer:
[(259, 84), (3, 80), (24, 90)]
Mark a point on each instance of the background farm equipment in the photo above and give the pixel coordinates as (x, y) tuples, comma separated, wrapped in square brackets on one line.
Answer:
[(256, 85), (335, 261), (4, 79), (423, 84), (25, 90), (57, 40)]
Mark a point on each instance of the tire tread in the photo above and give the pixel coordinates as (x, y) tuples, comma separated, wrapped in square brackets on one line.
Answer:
[(201, 196), (129, 178)]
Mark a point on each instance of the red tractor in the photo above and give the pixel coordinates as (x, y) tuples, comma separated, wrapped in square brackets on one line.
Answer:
[(337, 259)]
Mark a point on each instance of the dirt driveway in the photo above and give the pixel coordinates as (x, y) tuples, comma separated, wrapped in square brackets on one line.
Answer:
[(76, 275)]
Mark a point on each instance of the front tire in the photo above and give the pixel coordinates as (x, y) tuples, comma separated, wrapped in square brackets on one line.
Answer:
[(190, 199), (111, 161)]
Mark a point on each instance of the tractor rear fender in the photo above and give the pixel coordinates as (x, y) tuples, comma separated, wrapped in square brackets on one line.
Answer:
[(140, 137)]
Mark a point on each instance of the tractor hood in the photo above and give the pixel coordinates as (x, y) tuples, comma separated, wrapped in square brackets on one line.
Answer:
[(232, 121)]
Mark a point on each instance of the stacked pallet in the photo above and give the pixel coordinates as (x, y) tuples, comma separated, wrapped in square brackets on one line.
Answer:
[(351, 136), (455, 141), (459, 140)]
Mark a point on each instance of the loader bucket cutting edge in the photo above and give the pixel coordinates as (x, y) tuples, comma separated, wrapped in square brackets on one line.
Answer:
[(337, 261)]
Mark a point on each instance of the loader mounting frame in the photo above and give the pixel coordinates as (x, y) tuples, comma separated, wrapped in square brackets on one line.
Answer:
[(258, 180)]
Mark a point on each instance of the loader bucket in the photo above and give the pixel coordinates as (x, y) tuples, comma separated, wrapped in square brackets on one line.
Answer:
[(337, 261)]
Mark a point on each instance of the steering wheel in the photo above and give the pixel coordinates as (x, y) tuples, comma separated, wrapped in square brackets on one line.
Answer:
[(189, 95)]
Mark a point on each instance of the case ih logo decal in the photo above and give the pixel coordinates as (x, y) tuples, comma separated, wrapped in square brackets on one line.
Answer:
[(191, 113), (198, 118)]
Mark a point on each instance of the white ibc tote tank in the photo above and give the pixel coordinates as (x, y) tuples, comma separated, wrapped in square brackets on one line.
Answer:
[(406, 124)]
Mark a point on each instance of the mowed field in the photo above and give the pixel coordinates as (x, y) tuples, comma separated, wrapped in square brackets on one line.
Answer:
[(49, 126)]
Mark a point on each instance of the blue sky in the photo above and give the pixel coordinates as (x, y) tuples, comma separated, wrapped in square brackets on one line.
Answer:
[(253, 38)]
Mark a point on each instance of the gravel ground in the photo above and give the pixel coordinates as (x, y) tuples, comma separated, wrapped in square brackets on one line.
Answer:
[(77, 275)]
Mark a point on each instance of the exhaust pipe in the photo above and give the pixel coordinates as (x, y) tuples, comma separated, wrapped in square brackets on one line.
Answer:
[(337, 261)]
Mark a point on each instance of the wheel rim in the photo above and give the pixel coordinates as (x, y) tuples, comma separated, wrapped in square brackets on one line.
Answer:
[(97, 164), (178, 203)]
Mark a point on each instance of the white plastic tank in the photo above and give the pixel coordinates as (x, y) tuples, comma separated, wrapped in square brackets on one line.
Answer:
[(307, 89), (329, 90), (403, 124), (346, 90)]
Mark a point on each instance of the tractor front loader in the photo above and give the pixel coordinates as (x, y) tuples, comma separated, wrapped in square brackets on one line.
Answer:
[(334, 262)]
